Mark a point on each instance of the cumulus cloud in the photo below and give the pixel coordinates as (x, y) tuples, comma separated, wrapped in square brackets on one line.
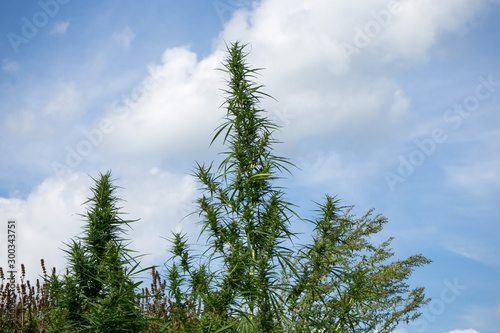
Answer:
[(336, 100), (45, 219), (299, 44), (170, 110), (307, 70), (470, 330), (418, 25), (163, 201), (49, 216), (356, 102)]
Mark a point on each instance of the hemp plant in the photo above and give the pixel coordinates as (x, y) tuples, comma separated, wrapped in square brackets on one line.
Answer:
[(245, 216), (252, 278), (98, 293)]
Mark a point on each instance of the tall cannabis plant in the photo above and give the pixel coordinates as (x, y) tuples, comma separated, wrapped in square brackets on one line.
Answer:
[(251, 278), (245, 216), (98, 292)]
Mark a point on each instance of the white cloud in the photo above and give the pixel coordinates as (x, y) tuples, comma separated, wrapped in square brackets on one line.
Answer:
[(170, 110), (419, 24), (318, 101), (306, 71), (50, 217), (60, 28), (171, 114), (163, 202), (404, 31), (470, 330), (310, 76), (45, 219), (9, 65), (124, 38)]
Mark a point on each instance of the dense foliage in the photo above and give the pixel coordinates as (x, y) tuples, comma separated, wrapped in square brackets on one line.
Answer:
[(252, 277)]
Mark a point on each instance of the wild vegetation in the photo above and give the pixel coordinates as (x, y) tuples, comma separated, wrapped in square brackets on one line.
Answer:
[(252, 275)]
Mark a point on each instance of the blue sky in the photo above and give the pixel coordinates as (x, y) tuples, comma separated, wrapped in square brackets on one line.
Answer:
[(387, 104)]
